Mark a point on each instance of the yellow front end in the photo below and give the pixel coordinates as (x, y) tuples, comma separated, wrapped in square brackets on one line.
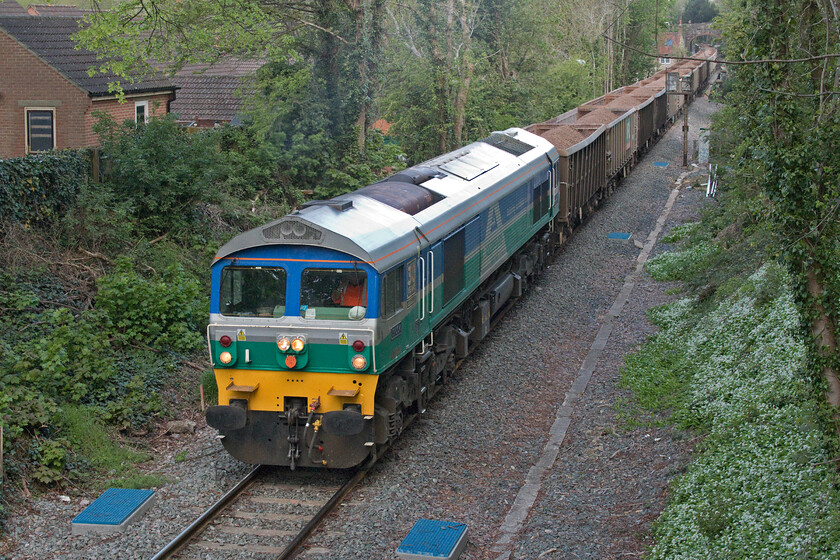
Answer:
[(268, 390)]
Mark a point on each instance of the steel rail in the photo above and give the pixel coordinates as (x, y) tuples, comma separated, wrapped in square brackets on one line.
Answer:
[(326, 509), (198, 525)]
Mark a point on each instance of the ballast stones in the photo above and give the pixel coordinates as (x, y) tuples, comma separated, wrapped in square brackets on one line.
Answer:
[(113, 511), (434, 540)]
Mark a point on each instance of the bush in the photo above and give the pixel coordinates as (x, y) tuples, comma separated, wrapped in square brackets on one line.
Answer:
[(163, 311), (157, 167), (36, 190)]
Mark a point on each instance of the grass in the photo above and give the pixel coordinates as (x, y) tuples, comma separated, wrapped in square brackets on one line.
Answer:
[(97, 446)]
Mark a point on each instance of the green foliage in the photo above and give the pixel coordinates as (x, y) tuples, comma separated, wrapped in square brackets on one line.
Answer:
[(82, 426), (157, 168), (211, 389), (699, 11), (784, 132), (681, 265), (762, 486), (163, 311), (36, 190), (73, 361), (52, 458), (100, 220), (139, 481)]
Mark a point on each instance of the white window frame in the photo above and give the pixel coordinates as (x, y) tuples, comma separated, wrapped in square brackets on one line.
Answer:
[(145, 105), (663, 60), (26, 111)]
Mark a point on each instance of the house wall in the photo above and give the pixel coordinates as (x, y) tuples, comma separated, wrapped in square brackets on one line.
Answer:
[(26, 81), (158, 106)]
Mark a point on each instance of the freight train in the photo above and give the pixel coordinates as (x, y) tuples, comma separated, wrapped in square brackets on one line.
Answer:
[(334, 325)]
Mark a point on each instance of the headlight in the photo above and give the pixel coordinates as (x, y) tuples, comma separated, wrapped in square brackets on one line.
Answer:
[(358, 362), (225, 357), (297, 344), (283, 344)]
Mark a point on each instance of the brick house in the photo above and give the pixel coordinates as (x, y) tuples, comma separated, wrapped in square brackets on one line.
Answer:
[(211, 94), (47, 98), (672, 43)]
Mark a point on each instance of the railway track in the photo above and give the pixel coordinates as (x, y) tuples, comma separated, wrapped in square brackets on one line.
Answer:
[(272, 511), (268, 514)]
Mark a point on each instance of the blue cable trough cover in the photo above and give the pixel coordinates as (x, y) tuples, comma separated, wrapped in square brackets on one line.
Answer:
[(660, 163), (618, 236), (434, 540), (113, 511)]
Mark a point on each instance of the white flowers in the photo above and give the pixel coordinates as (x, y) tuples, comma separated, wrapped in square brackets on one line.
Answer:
[(760, 487)]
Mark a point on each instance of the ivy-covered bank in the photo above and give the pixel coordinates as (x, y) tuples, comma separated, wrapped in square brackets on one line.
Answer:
[(733, 367)]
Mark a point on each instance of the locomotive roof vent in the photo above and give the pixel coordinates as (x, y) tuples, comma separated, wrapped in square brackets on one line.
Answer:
[(291, 230), (508, 143), (406, 197)]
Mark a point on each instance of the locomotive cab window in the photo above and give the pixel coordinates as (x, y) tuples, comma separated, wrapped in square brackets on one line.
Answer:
[(333, 293), (392, 291), (252, 291)]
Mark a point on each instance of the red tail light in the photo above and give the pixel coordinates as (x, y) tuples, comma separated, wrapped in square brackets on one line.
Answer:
[(225, 341)]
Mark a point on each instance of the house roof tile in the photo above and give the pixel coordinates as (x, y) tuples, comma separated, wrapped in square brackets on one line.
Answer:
[(56, 10), (11, 8), (50, 39), (207, 97)]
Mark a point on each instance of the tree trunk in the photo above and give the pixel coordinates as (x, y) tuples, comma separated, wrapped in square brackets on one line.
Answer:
[(466, 67), (822, 328)]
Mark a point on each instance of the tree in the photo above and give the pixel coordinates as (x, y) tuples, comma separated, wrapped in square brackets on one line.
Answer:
[(335, 44), (788, 126), (699, 11)]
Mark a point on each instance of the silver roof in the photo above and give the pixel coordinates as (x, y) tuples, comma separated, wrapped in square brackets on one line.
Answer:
[(383, 236)]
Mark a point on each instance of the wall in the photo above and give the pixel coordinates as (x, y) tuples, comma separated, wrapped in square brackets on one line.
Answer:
[(158, 106), (29, 82)]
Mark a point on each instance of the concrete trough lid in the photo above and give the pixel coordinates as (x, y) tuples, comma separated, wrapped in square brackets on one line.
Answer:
[(113, 511), (434, 540)]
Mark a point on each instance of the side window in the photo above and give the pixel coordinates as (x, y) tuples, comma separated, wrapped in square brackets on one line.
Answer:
[(540, 201), (453, 265), (392, 291), (40, 130), (141, 111)]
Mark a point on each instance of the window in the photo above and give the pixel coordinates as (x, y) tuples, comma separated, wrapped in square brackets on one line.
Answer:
[(252, 291), (392, 291), (40, 130), (453, 265), (540, 201), (664, 60), (333, 293), (141, 111)]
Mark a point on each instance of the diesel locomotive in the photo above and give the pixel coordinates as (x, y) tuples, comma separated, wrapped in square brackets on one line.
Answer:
[(333, 325)]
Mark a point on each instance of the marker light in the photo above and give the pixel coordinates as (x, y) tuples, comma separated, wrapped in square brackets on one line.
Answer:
[(225, 357), (358, 362), (291, 361), (283, 344), (225, 341), (358, 346), (297, 344)]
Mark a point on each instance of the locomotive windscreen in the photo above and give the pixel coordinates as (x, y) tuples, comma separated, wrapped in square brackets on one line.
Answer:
[(252, 291)]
